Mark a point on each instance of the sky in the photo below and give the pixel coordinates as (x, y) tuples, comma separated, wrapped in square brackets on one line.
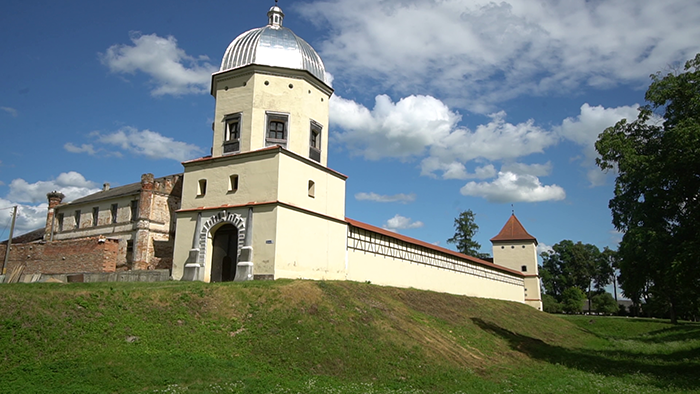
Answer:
[(440, 105)]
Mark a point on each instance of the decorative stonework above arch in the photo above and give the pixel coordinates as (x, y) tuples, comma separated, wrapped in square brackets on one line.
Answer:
[(222, 217)]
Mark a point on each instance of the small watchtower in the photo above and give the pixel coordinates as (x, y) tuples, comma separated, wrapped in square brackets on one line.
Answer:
[(516, 249)]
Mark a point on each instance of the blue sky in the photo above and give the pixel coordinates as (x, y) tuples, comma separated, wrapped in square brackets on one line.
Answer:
[(439, 106)]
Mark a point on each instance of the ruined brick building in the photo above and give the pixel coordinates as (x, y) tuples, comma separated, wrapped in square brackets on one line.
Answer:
[(140, 216)]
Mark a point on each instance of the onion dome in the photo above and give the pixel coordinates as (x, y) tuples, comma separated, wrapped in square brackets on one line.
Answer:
[(273, 45)]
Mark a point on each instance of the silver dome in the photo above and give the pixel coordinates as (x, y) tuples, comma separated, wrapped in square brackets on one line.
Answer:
[(273, 45)]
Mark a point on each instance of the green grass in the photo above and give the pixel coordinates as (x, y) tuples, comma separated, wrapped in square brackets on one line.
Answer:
[(323, 337)]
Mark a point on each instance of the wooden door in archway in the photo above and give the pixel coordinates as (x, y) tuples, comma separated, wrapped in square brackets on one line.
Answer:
[(224, 254)]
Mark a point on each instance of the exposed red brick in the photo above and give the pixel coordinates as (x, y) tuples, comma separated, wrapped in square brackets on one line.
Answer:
[(85, 255)]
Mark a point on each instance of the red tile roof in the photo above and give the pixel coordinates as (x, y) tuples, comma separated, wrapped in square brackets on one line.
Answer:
[(513, 231)]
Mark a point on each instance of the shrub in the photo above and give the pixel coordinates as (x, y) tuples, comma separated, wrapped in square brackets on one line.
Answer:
[(604, 303), (572, 300), (550, 304)]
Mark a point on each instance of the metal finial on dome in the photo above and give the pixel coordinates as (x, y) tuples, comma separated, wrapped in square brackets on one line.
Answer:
[(275, 16)]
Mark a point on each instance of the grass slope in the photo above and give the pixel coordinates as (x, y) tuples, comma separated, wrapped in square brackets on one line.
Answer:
[(322, 337)]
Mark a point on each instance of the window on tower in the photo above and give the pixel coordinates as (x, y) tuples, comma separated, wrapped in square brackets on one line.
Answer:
[(276, 130), (315, 141), (232, 133)]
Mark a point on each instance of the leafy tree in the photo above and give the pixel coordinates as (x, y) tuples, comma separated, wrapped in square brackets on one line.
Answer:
[(604, 303), (657, 192), (572, 300), (572, 265), (465, 231), (550, 304)]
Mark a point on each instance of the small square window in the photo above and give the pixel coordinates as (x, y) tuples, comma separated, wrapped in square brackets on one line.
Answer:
[(276, 133), (95, 216), (524, 269), (233, 183)]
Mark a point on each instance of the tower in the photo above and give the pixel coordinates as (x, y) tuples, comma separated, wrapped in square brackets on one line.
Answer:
[(264, 205), (516, 249)]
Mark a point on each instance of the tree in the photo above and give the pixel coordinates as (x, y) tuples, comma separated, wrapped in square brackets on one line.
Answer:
[(656, 202), (550, 304), (465, 231), (573, 265), (572, 300), (604, 303)]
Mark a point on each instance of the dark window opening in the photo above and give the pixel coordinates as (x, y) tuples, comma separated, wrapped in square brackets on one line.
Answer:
[(232, 134), (233, 183), (134, 210), (77, 219), (315, 142), (59, 217), (312, 189), (523, 268), (113, 211), (276, 133), (95, 216)]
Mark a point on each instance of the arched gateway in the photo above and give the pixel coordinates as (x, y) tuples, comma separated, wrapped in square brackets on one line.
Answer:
[(223, 236)]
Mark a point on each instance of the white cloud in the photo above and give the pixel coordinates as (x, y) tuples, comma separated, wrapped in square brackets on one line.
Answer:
[(416, 126), (29, 218), (13, 112), (399, 130), (31, 199), (478, 52), (455, 170), (72, 184), (171, 70), (528, 169), (585, 128), (510, 187), (83, 148), (401, 197), (144, 143), (399, 222), (541, 248)]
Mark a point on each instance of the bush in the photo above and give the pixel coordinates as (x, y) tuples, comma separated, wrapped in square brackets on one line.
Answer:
[(604, 303), (572, 300), (550, 304)]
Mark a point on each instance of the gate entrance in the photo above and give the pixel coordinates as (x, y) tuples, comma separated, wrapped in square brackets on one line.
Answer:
[(224, 254)]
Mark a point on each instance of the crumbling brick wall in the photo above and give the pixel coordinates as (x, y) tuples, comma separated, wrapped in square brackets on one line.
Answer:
[(85, 255)]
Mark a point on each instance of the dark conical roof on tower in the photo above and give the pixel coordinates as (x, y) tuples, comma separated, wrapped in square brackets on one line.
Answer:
[(513, 231)]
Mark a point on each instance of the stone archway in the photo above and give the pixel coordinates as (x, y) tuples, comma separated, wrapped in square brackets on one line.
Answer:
[(220, 218)]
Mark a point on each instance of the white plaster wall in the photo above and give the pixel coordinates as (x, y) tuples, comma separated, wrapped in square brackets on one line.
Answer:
[(234, 94), (514, 255), (329, 195), (257, 180), (388, 271), (264, 225), (302, 102), (309, 246)]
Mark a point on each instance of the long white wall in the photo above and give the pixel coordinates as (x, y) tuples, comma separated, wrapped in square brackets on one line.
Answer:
[(389, 261)]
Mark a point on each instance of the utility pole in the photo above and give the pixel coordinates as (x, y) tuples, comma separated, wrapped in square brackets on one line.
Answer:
[(9, 240)]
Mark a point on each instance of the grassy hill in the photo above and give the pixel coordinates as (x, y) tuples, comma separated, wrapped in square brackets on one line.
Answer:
[(322, 337)]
